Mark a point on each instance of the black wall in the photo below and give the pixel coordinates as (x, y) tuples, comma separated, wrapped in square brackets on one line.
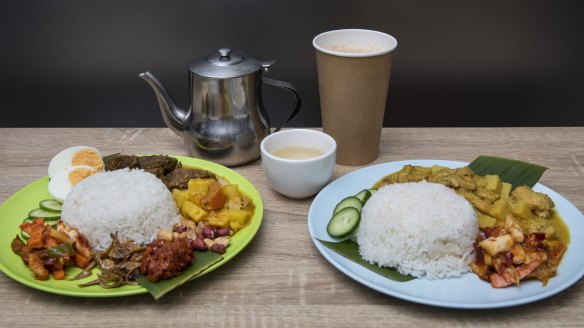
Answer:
[(74, 63)]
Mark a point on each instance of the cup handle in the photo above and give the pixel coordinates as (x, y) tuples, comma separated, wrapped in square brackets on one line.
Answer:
[(297, 100)]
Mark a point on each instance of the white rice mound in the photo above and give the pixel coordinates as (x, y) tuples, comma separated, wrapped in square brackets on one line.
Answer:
[(133, 203), (422, 229)]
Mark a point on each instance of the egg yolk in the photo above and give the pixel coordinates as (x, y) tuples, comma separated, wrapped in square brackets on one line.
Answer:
[(79, 174), (87, 157)]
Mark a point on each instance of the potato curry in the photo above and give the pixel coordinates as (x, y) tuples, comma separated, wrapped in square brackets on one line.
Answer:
[(521, 236)]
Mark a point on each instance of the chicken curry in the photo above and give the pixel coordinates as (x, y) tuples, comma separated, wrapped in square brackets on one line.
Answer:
[(521, 236)]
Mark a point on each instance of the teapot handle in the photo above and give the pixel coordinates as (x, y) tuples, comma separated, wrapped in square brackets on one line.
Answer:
[(297, 99)]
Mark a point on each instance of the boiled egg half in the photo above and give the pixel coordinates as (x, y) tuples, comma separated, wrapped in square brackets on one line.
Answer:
[(70, 166), (62, 183), (74, 156)]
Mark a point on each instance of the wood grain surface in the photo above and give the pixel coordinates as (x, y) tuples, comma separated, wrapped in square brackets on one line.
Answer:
[(280, 279)]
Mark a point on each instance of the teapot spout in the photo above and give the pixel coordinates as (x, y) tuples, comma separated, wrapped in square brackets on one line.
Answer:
[(173, 116)]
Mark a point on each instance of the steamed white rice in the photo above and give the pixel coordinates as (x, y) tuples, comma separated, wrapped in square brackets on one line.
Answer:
[(421, 229), (133, 203)]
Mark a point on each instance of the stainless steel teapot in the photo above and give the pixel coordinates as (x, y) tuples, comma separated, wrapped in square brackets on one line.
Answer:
[(227, 119)]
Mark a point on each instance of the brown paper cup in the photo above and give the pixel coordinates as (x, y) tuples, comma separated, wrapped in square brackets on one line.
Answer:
[(353, 78)]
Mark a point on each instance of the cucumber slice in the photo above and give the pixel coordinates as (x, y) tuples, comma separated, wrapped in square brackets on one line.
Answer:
[(51, 205), (24, 235), (47, 215), (372, 190), (344, 222), (363, 195), (52, 223), (350, 201)]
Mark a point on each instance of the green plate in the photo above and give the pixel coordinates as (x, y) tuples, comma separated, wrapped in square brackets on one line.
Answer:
[(16, 208)]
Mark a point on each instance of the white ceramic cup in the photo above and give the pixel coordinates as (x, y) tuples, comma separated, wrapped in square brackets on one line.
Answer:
[(298, 178)]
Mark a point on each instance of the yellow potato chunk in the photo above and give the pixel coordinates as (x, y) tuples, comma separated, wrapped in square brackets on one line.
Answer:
[(493, 182), (505, 190), (198, 186), (231, 190), (486, 221), (521, 209), (196, 199), (197, 189), (179, 197), (219, 220), (235, 226), (193, 211), (232, 218), (500, 209), (239, 216)]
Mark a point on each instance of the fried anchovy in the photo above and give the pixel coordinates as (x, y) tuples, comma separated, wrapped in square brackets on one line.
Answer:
[(85, 273)]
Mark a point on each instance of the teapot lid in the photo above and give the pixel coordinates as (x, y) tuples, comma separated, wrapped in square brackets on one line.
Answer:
[(226, 64)]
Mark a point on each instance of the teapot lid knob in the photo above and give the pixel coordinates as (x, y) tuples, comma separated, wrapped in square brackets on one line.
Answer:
[(225, 64), (224, 52)]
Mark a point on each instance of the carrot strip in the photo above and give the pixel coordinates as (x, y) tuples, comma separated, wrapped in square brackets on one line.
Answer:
[(46, 236), (81, 261), (50, 242), (59, 274), (38, 221), (35, 241), (26, 227)]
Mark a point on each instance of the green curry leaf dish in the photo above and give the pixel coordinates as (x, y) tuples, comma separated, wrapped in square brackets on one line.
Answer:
[(512, 171), (203, 260)]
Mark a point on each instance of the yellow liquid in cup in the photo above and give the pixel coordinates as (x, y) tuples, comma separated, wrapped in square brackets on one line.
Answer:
[(297, 152)]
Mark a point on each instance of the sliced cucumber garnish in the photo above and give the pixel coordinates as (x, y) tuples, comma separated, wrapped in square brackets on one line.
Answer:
[(47, 215), (347, 214), (363, 195), (51, 205), (24, 235), (52, 223), (50, 211), (350, 201), (344, 222)]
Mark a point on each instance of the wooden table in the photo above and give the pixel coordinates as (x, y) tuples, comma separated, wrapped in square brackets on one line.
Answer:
[(280, 279)]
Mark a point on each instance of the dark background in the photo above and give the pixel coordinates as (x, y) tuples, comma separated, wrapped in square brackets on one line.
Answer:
[(74, 63)]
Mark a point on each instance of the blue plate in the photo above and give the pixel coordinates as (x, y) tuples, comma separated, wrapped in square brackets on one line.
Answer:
[(466, 292)]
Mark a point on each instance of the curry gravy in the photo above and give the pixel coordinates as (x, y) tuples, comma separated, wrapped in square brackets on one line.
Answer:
[(561, 229)]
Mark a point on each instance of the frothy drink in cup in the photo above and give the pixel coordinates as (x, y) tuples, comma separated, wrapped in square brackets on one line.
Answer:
[(353, 79), (353, 48)]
